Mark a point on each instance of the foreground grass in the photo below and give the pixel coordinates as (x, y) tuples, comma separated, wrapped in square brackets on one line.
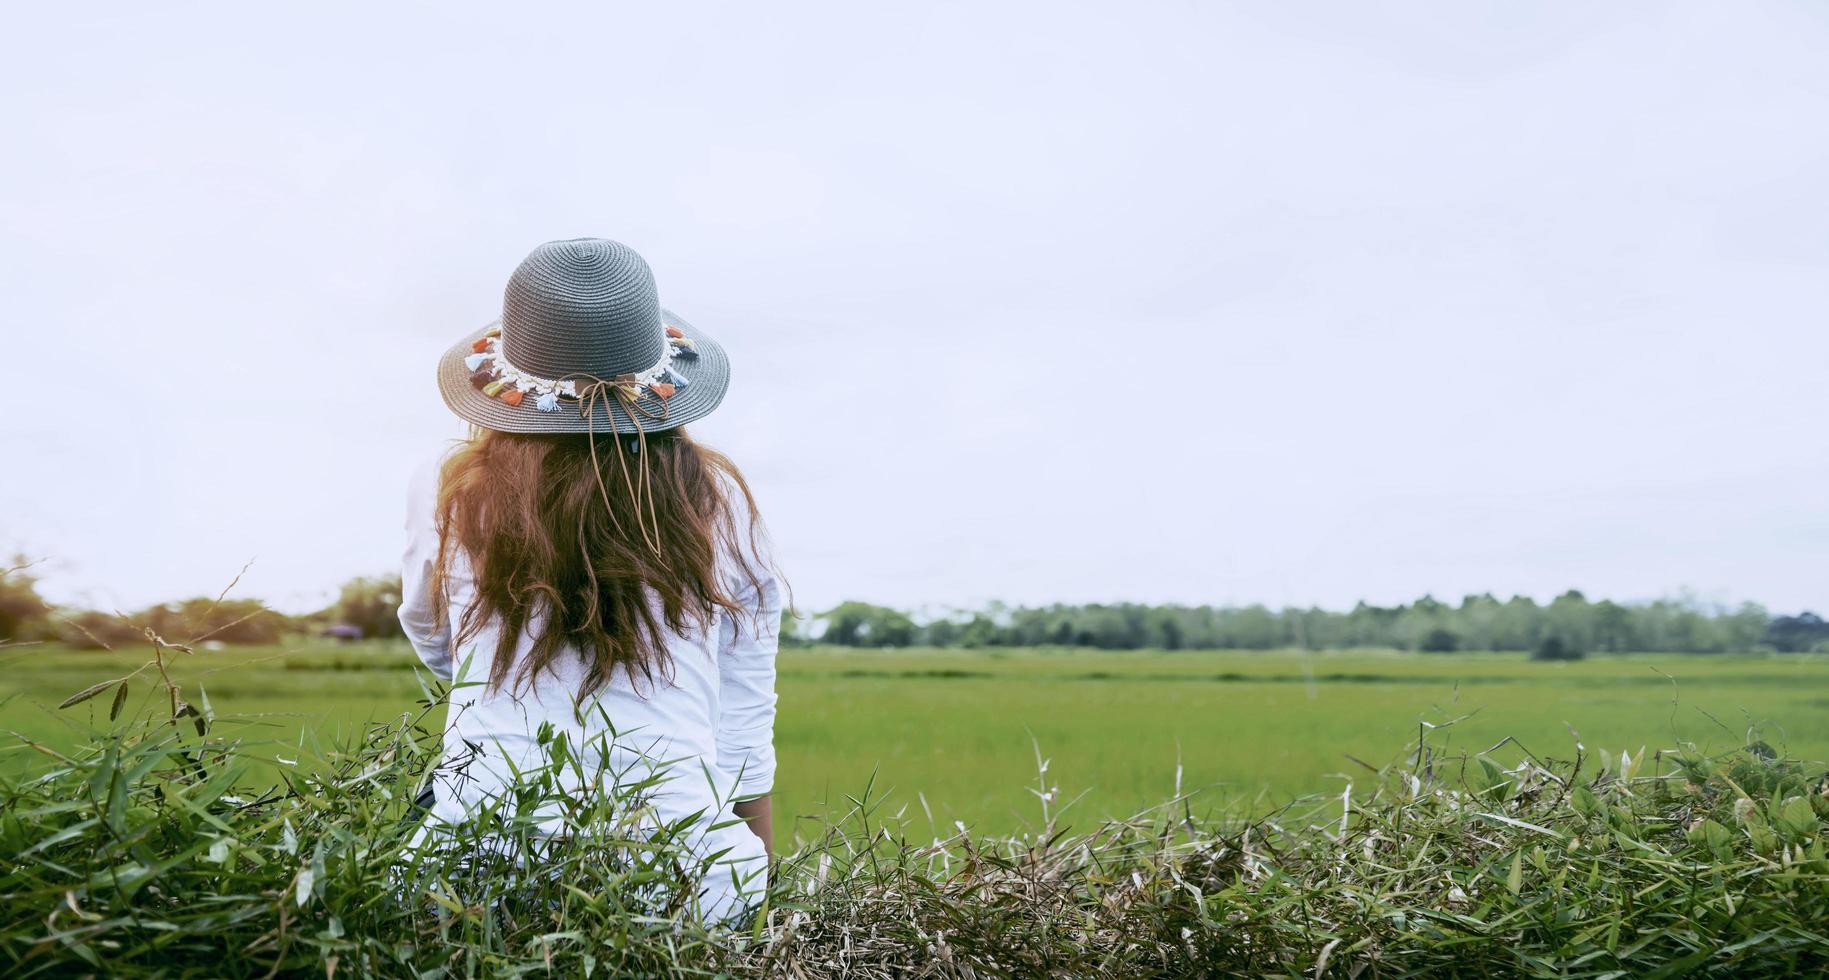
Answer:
[(949, 733), (131, 853)]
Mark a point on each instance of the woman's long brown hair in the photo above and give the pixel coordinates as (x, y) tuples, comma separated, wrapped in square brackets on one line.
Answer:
[(529, 512)]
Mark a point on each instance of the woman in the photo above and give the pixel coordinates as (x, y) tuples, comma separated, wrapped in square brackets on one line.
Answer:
[(580, 566)]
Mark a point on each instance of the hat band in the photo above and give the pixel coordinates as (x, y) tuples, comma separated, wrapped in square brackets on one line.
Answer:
[(497, 377)]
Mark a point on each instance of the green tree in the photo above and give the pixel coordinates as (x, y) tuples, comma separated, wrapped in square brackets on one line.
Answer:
[(1556, 648), (1255, 628), (1416, 622), (225, 621), (1799, 633), (1518, 624), (1477, 621), (859, 624), (1570, 617), (1440, 640), (24, 615), (371, 604), (980, 631), (942, 632), (1614, 630), (89, 629), (1744, 628)]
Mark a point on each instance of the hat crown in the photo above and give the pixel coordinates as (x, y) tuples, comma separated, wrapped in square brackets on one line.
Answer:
[(587, 306)]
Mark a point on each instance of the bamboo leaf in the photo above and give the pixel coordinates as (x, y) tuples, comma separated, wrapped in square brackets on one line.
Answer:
[(307, 876), (88, 692)]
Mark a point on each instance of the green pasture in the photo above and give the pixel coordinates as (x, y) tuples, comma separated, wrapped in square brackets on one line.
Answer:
[(955, 734)]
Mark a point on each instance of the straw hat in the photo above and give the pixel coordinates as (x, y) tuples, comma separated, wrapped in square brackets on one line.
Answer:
[(584, 345)]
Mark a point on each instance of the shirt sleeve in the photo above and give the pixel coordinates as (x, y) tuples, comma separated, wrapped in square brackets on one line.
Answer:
[(746, 670), (427, 626)]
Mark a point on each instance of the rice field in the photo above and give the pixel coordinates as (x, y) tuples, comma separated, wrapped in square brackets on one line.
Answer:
[(946, 736)]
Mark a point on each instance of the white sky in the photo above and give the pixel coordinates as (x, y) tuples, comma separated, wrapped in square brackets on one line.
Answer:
[(1203, 302)]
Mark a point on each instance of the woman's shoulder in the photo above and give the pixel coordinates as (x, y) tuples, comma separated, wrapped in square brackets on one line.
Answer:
[(747, 549), (422, 479), (429, 464)]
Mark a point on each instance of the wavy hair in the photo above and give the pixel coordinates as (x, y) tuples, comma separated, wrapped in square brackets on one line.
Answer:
[(561, 538)]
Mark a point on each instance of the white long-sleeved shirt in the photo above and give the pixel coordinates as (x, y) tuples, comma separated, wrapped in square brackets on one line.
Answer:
[(709, 726)]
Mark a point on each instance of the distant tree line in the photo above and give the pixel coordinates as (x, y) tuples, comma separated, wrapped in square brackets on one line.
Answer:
[(364, 609), (1568, 626)]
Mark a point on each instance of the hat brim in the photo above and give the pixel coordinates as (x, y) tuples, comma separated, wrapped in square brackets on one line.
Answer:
[(707, 376)]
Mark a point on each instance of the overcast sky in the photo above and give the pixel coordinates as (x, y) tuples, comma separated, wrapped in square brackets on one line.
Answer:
[(1202, 302)]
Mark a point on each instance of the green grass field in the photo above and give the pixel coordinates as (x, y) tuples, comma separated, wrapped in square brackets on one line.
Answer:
[(955, 733)]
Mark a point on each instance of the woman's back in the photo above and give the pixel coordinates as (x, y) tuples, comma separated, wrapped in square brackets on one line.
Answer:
[(707, 724), (587, 576)]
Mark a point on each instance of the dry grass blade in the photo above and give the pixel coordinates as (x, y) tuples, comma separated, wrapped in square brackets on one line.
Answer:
[(205, 618)]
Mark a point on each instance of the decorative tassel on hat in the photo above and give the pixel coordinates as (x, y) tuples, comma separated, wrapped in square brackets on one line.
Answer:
[(491, 373)]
